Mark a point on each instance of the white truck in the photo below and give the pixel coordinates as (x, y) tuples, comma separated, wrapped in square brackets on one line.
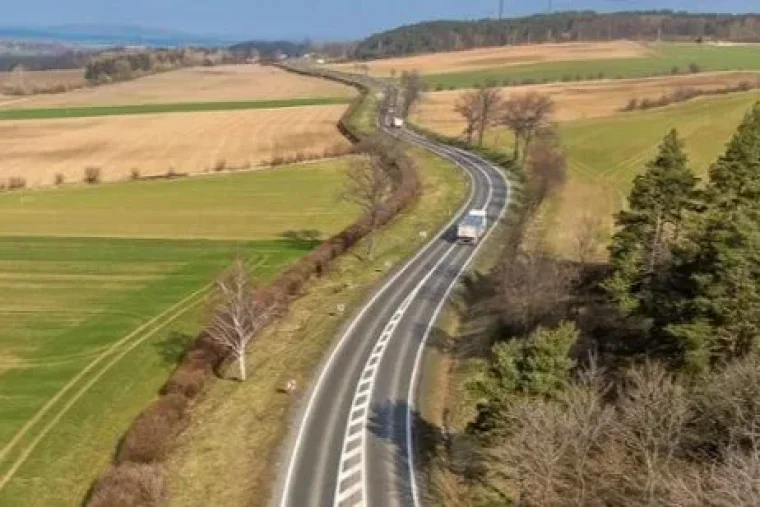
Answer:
[(472, 227), (398, 122)]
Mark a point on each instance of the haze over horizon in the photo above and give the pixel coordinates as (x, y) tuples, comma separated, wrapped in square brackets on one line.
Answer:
[(297, 19)]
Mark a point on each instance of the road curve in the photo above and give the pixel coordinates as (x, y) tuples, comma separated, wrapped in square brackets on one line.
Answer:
[(352, 444)]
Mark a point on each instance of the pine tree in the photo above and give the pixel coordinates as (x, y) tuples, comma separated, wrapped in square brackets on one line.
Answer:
[(538, 365), (650, 226), (720, 263)]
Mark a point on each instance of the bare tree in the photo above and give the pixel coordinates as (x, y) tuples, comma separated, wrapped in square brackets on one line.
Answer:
[(479, 108), (239, 315), (368, 186), (411, 89), (469, 108), (546, 165), (489, 101), (586, 238), (525, 115)]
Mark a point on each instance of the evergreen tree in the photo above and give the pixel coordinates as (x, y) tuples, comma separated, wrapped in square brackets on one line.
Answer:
[(720, 265), (538, 365), (650, 226)]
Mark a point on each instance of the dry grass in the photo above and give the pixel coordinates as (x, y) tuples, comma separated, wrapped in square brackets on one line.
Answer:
[(39, 79), (482, 58), (577, 101), (155, 143), (200, 84)]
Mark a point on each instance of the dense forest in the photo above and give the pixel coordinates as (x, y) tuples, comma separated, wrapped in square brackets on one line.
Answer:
[(631, 380), (565, 26)]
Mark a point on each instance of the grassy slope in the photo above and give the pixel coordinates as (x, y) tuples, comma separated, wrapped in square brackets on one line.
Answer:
[(606, 154), (260, 204), (190, 107), (241, 426), (663, 58), (66, 303)]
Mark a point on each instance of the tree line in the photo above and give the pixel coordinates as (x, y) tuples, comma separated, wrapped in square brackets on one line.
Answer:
[(125, 65), (437, 36), (632, 381)]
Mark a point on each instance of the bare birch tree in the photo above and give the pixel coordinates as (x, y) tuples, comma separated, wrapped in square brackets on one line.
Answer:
[(239, 315)]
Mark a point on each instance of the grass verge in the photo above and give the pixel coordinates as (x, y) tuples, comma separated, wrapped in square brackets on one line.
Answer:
[(241, 426), (180, 107)]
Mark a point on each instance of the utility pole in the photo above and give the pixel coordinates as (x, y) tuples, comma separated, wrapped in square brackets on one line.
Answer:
[(501, 9)]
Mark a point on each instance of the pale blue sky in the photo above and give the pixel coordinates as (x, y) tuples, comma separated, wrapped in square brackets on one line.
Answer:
[(319, 19)]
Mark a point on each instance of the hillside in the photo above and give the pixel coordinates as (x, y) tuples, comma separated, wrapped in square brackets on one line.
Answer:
[(437, 36)]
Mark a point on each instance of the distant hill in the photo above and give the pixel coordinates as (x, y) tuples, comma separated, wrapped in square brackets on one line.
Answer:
[(437, 36), (111, 35)]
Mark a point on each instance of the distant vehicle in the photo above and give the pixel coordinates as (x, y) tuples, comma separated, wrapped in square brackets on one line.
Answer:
[(398, 122), (472, 228)]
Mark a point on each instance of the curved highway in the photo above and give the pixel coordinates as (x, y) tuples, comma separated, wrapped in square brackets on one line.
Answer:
[(352, 444)]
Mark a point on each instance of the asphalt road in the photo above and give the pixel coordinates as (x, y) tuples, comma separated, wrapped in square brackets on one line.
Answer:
[(351, 445)]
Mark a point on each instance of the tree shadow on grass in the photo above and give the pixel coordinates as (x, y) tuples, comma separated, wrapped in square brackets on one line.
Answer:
[(173, 347), (304, 239)]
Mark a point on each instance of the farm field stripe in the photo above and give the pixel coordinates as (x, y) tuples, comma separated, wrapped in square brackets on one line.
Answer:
[(110, 350), (180, 107)]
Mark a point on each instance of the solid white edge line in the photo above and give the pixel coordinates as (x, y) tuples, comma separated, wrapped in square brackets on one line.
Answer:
[(365, 417), (323, 374), (433, 320)]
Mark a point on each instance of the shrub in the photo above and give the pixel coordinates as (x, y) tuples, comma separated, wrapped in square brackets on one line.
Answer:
[(439, 87), (187, 380), (59, 179), (152, 434), (632, 105), (675, 70), (92, 175), (16, 183), (134, 174), (130, 485), (220, 165), (694, 68)]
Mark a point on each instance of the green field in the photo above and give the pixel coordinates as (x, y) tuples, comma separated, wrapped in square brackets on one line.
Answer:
[(90, 326), (605, 155), (664, 57), (260, 204), (180, 107)]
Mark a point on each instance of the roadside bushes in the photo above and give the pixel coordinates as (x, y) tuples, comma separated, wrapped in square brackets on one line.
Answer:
[(129, 485), (136, 477), (150, 436)]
